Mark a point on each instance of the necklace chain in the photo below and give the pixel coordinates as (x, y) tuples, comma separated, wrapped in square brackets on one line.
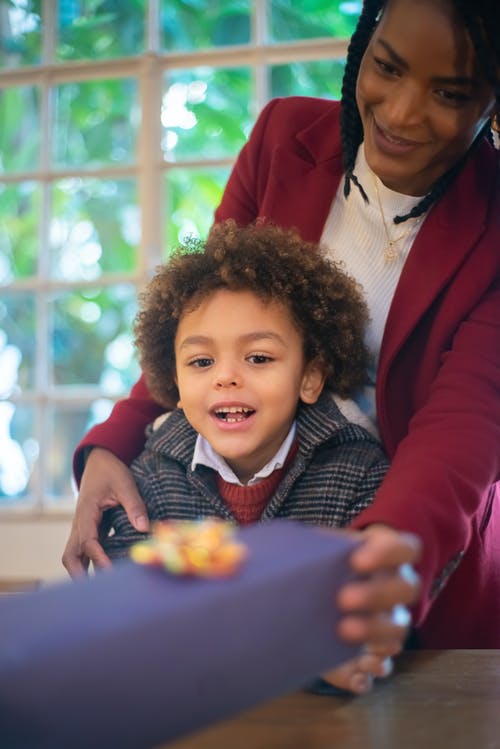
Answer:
[(391, 250)]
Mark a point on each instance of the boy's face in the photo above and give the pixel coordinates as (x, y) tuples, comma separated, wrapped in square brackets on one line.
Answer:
[(240, 374)]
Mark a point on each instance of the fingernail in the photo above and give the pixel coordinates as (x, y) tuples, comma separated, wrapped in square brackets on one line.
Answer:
[(387, 666), (142, 523), (400, 616), (361, 683), (409, 574)]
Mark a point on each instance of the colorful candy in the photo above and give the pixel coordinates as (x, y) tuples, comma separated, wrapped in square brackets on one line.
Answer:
[(202, 548)]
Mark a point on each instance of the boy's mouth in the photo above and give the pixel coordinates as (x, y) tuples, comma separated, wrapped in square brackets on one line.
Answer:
[(233, 414)]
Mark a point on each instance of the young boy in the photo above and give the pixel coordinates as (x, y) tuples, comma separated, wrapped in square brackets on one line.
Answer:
[(251, 334)]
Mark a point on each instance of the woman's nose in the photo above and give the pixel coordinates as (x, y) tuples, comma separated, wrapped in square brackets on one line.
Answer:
[(406, 107)]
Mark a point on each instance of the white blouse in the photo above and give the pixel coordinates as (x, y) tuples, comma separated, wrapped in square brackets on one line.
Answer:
[(354, 232)]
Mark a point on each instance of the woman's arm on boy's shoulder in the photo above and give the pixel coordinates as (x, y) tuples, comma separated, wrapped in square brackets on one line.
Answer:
[(101, 467), (106, 483)]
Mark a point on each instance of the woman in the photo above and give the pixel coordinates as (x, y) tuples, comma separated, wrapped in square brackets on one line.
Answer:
[(402, 182)]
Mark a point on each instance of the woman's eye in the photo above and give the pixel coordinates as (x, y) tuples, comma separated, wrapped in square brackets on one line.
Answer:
[(452, 97), (200, 362), (259, 358), (385, 67)]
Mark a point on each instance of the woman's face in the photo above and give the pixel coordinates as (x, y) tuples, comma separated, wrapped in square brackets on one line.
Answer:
[(420, 95)]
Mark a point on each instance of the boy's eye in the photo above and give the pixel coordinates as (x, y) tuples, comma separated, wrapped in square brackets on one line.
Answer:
[(259, 358), (201, 362)]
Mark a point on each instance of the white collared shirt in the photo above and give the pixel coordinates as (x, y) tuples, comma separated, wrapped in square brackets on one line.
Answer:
[(204, 454)]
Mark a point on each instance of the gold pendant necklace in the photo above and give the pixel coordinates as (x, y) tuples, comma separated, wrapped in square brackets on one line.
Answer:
[(391, 250)]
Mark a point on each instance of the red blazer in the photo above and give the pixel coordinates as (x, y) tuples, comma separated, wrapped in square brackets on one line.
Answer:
[(438, 384)]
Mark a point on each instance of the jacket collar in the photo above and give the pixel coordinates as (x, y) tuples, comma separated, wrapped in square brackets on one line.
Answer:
[(303, 179), (318, 149), (449, 234), (322, 421)]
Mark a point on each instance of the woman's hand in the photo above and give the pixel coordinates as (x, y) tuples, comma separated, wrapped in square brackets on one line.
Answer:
[(375, 607), (356, 676), (375, 613), (106, 482)]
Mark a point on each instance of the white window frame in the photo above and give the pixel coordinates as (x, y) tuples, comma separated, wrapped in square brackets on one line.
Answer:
[(150, 170)]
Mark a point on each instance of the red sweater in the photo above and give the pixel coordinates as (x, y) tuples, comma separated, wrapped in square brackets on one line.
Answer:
[(247, 503)]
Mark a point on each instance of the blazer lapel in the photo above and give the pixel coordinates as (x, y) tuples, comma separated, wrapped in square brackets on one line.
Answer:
[(448, 235), (303, 181)]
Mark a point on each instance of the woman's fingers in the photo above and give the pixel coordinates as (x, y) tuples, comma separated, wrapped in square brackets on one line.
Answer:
[(357, 675), (384, 548), (384, 561), (106, 482), (381, 592), (374, 606), (378, 632)]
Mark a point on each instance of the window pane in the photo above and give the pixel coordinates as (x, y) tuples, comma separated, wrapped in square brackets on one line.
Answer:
[(197, 24), (17, 342), (92, 338), (100, 29), (18, 454), (95, 228), (96, 123), (317, 78), (206, 112), (20, 130), (192, 197), (307, 19), (20, 36), (19, 225), (67, 424)]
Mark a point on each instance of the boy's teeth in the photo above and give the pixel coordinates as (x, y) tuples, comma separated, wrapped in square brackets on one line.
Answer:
[(233, 410), (233, 413)]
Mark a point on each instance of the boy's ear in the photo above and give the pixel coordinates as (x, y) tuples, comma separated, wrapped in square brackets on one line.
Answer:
[(313, 381)]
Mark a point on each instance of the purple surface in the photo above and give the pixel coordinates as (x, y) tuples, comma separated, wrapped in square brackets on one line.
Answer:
[(134, 657)]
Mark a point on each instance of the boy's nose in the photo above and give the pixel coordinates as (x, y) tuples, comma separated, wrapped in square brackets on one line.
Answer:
[(224, 382), (226, 377)]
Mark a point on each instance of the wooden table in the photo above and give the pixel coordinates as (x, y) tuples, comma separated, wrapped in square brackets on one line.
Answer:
[(434, 700)]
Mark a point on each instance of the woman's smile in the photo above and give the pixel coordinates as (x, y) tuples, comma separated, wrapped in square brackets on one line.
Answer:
[(419, 95), (392, 142)]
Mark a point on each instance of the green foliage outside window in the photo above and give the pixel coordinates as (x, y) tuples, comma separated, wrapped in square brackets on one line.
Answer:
[(96, 123), (100, 29), (20, 33), (309, 19), (197, 24), (92, 230)]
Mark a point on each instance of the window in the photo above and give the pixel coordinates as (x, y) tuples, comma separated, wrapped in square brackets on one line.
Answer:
[(120, 122)]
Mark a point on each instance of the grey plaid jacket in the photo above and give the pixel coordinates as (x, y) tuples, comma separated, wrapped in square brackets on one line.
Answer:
[(335, 474)]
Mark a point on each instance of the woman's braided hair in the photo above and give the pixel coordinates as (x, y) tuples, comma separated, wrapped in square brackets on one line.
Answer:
[(482, 21)]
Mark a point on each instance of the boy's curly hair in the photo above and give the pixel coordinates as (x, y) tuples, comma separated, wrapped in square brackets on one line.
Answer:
[(325, 303)]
